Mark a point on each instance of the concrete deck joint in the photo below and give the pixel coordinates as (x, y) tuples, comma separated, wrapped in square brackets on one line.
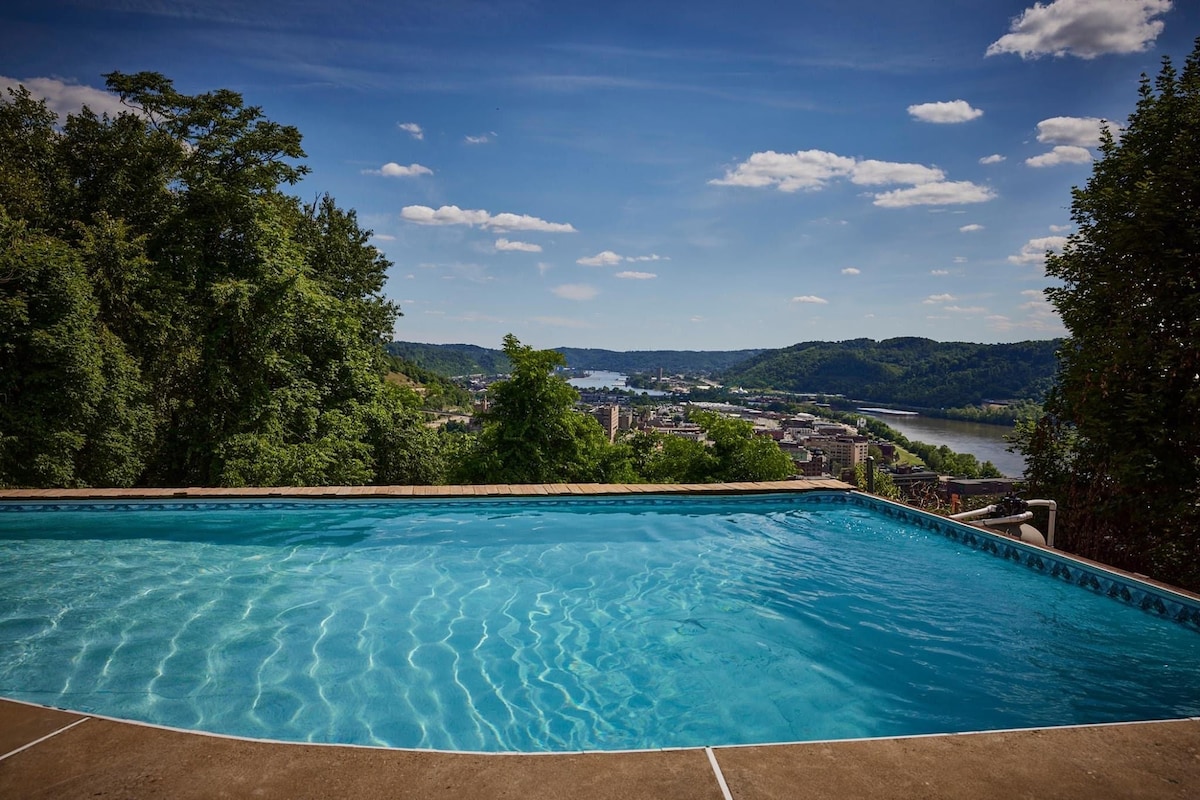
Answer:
[(25, 747), (716, 768)]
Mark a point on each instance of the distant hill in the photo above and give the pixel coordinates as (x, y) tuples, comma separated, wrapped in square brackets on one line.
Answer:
[(906, 371), (465, 359), (451, 359)]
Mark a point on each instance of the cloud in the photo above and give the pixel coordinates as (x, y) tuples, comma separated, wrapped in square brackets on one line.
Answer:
[(810, 298), (482, 138), (1083, 28), (523, 247), (812, 170), (804, 169), (935, 194), (939, 272), (972, 228), (1079, 131), (1034, 251), (636, 276), (1061, 154), (575, 291), (994, 158), (875, 173), (608, 258), (939, 298), (412, 129), (852, 271), (453, 215), (965, 309), (66, 98), (960, 259), (394, 170), (383, 237), (605, 259), (1059, 228), (948, 112)]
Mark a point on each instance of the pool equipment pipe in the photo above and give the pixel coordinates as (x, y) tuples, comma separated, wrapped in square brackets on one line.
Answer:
[(1013, 519)]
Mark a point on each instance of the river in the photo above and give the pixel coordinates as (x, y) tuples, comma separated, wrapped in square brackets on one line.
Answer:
[(985, 442), (599, 379)]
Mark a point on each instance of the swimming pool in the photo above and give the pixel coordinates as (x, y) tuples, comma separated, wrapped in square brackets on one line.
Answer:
[(555, 625)]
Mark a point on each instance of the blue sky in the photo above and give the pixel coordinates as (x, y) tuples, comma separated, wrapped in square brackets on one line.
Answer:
[(663, 175)]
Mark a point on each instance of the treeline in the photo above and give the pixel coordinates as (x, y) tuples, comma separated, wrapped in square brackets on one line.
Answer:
[(452, 359), (468, 359), (907, 371), (170, 316)]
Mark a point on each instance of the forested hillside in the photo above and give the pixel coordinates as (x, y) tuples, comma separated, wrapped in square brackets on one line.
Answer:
[(452, 359), (466, 359), (906, 371), (671, 362)]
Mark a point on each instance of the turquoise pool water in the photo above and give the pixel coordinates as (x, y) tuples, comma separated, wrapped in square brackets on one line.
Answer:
[(565, 625)]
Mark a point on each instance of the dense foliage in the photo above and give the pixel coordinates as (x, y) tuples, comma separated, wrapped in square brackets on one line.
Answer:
[(168, 315), (908, 371), (533, 434), (735, 454), (1119, 444)]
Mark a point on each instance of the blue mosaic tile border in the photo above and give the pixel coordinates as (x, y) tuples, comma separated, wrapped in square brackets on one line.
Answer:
[(1128, 590)]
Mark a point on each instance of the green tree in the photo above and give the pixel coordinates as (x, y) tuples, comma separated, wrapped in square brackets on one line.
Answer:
[(533, 434), (72, 406), (1119, 444), (741, 455), (196, 324)]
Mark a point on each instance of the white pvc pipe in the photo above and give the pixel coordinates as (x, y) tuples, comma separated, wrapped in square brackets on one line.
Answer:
[(1023, 517), (1053, 506)]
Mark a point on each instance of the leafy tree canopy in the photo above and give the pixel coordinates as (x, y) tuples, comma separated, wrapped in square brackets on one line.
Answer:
[(171, 316), (1119, 444)]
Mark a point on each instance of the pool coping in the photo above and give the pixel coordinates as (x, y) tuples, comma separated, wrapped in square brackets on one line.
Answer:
[(446, 491), (68, 754)]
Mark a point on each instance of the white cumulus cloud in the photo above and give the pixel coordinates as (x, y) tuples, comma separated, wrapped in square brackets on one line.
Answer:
[(453, 215), (575, 291), (394, 170), (965, 309), (804, 169), (1061, 154), (810, 298), (852, 271), (972, 228), (482, 138), (812, 170), (1034, 251), (947, 112), (66, 98), (523, 247), (939, 272), (994, 158), (606, 258), (875, 173), (636, 276), (1083, 28), (935, 194), (1079, 131), (933, 299), (412, 129)]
